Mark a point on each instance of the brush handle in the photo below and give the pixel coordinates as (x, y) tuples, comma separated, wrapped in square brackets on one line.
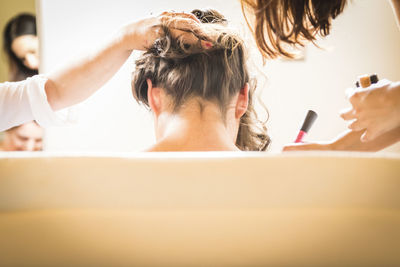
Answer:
[(300, 136), (308, 122)]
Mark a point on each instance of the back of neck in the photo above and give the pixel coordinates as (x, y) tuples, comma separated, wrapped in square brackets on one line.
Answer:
[(191, 130)]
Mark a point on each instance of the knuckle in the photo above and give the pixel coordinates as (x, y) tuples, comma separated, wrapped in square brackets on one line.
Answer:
[(356, 95), (357, 111)]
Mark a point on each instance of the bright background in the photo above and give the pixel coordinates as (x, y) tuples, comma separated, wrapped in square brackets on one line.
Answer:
[(8, 9), (364, 39)]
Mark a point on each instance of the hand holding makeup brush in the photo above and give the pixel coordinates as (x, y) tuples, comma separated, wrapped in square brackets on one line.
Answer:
[(375, 115), (375, 109)]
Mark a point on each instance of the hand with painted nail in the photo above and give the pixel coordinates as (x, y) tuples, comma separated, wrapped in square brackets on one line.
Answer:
[(374, 110)]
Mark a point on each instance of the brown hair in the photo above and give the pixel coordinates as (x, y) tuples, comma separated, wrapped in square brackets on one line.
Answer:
[(215, 75), (277, 23), (22, 24)]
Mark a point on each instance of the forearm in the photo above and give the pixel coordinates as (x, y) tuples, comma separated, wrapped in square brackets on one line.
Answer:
[(396, 10), (350, 141), (81, 79)]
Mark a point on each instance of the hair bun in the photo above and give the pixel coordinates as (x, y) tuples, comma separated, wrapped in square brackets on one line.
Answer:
[(209, 16)]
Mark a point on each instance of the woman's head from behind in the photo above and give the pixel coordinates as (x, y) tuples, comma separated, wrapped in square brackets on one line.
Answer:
[(187, 76), (21, 45)]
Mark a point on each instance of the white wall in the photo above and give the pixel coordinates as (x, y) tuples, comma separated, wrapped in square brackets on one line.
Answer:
[(364, 40)]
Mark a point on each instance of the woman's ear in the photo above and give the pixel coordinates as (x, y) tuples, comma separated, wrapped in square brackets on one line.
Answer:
[(154, 97), (242, 101)]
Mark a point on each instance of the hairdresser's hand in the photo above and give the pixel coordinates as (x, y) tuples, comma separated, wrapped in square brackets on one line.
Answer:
[(350, 141), (79, 80), (141, 34), (375, 110)]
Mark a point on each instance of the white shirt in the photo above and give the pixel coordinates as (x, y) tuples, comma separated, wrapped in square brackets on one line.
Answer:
[(25, 101)]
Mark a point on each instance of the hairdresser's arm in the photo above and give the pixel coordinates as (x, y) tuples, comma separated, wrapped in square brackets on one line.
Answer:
[(396, 10), (350, 141), (78, 81), (81, 79)]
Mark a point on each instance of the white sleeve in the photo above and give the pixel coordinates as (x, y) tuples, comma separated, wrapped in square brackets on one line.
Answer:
[(26, 101)]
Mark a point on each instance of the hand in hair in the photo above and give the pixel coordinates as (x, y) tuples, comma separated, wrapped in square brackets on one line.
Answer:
[(77, 81), (140, 35)]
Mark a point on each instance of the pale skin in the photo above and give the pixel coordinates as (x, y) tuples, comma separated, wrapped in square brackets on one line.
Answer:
[(198, 125), (26, 137), (81, 79), (25, 47), (349, 141)]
